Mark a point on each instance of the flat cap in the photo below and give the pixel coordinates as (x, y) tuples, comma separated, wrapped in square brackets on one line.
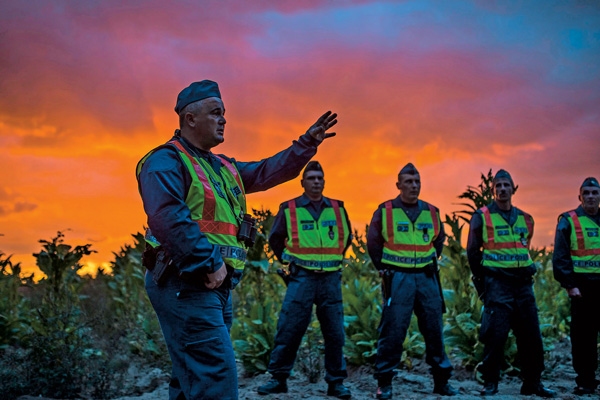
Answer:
[(196, 92)]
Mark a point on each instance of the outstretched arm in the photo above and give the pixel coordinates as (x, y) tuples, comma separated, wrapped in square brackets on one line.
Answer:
[(287, 164)]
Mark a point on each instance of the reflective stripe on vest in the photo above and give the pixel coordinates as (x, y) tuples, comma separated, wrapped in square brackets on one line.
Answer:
[(506, 246), (585, 248), (401, 247), (310, 247)]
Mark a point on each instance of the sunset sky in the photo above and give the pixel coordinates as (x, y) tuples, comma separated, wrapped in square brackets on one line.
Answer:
[(456, 87)]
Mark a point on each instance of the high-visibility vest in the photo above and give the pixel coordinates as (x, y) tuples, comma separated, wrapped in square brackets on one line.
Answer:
[(217, 203), (409, 244), (585, 243), (316, 245), (506, 246)]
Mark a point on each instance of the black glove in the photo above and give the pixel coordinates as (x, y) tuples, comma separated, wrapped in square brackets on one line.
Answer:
[(479, 284)]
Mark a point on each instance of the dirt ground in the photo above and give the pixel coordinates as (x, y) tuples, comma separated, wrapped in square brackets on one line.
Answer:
[(408, 385)]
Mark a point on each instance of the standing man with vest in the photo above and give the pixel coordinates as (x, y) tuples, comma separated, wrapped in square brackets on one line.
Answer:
[(576, 263), (311, 234), (404, 240), (498, 252), (199, 233)]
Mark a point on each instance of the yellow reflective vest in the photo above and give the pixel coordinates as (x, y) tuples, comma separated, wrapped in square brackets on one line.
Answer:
[(585, 243), (409, 244), (506, 246), (217, 202), (316, 245)]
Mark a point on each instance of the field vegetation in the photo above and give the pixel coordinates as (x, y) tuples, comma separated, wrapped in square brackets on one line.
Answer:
[(72, 336)]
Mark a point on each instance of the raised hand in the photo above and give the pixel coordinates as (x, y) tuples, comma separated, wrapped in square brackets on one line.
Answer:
[(319, 129)]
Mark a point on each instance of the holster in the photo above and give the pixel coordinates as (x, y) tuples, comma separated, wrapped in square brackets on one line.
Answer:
[(157, 262), (387, 276), (284, 274), (149, 257), (287, 273)]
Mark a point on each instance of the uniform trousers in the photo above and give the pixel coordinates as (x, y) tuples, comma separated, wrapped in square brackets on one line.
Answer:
[(305, 289), (195, 322), (585, 326), (510, 305), (410, 292)]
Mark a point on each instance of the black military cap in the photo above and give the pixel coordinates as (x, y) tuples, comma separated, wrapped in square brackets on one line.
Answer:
[(196, 92), (590, 181)]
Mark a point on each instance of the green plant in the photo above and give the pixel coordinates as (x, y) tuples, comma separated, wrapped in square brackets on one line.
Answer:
[(13, 322), (361, 292), (257, 301)]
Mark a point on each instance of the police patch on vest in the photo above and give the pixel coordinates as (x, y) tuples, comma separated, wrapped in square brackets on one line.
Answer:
[(505, 257), (402, 226), (331, 222), (503, 232), (235, 253), (307, 225), (591, 232), (424, 225), (236, 191), (586, 264), (217, 186), (519, 230)]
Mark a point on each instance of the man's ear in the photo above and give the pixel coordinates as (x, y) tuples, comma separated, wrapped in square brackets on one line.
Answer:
[(579, 197), (189, 119), (398, 185)]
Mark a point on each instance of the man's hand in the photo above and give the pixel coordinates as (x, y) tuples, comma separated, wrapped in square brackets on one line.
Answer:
[(319, 128), (574, 292), (215, 279)]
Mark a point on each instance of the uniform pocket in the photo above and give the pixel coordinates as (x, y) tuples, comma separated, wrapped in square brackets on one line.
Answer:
[(211, 371)]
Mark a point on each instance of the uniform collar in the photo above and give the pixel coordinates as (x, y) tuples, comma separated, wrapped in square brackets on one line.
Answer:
[(303, 201)]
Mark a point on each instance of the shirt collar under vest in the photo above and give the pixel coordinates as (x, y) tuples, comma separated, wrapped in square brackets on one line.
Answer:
[(205, 155), (581, 212), (412, 210), (509, 216), (315, 208)]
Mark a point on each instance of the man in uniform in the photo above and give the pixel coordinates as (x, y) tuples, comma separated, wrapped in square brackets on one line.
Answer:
[(199, 233), (498, 252), (310, 234), (404, 240), (576, 263)]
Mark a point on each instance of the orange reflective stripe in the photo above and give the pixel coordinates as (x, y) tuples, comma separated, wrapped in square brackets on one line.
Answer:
[(504, 245), (338, 221), (409, 247), (294, 223), (210, 203), (434, 218), (578, 230), (585, 252), (217, 227), (485, 212), (317, 250), (390, 222), (231, 169), (529, 222)]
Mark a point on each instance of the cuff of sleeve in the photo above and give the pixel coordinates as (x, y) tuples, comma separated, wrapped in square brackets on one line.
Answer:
[(308, 140)]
